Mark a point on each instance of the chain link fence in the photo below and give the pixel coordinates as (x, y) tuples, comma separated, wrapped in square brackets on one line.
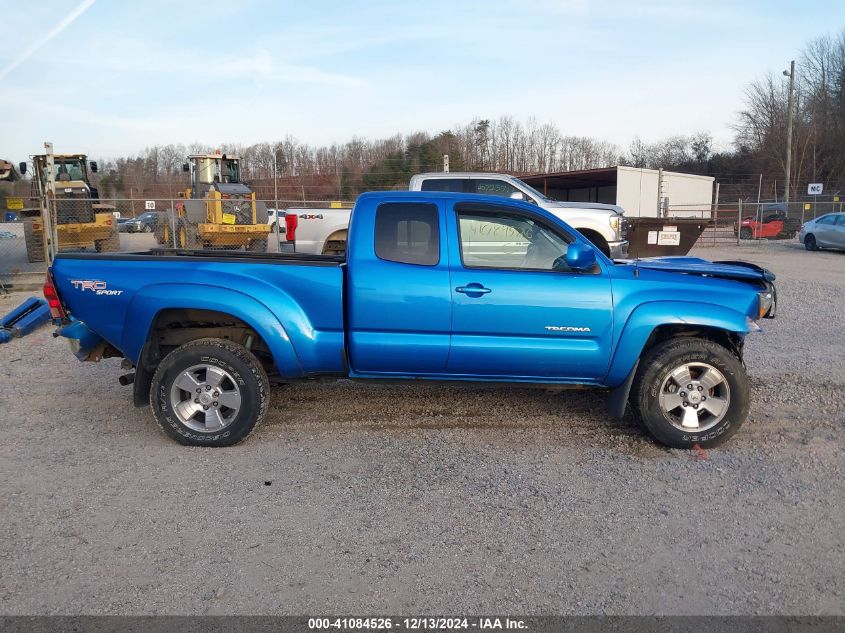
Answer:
[(312, 226), (744, 223), (137, 225)]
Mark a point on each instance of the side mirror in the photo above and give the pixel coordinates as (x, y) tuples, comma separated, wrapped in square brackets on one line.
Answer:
[(94, 167), (185, 167), (22, 168), (517, 195), (580, 257)]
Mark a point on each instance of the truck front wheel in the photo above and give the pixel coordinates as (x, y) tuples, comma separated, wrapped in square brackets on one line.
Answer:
[(690, 391), (209, 392)]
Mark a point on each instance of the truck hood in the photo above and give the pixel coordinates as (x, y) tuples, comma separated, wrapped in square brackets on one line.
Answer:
[(582, 206), (742, 271)]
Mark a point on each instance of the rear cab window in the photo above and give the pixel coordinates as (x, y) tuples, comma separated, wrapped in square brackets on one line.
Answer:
[(408, 233), (452, 185)]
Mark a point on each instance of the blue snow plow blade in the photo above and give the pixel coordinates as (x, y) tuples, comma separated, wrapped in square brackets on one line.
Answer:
[(27, 317)]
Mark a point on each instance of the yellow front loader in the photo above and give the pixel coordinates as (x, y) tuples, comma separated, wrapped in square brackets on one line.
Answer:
[(81, 220), (219, 210)]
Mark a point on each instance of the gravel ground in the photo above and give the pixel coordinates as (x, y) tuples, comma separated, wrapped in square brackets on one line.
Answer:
[(433, 499)]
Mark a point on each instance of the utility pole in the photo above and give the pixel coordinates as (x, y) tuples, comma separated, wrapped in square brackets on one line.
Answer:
[(276, 200), (787, 172), (48, 209)]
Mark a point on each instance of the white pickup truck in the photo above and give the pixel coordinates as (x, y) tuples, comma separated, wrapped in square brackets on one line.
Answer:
[(323, 231), (316, 231), (602, 224)]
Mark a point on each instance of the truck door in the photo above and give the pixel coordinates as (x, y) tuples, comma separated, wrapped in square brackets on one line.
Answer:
[(398, 299), (515, 313)]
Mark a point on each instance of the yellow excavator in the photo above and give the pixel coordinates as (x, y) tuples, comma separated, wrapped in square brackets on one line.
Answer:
[(219, 210), (81, 220)]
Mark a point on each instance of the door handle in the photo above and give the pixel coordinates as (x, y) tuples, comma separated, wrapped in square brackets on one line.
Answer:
[(473, 289)]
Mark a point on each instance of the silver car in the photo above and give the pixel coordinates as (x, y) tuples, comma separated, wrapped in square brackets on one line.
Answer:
[(826, 231)]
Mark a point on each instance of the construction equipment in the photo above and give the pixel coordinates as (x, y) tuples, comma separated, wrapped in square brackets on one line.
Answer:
[(219, 210), (7, 170), (81, 221)]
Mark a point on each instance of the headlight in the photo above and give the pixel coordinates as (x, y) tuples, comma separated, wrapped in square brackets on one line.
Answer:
[(765, 302), (614, 222)]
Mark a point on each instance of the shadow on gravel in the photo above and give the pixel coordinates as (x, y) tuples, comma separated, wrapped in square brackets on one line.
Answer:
[(576, 417)]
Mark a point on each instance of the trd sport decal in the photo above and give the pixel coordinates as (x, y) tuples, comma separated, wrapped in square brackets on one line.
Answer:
[(97, 287)]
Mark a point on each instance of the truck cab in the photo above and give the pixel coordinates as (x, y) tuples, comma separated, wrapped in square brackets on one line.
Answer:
[(602, 224)]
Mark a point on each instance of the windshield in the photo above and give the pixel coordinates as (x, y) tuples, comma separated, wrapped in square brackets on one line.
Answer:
[(67, 169), (209, 170), (534, 192), (229, 171)]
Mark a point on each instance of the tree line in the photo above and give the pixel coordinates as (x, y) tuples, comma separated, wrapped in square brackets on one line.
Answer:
[(340, 171)]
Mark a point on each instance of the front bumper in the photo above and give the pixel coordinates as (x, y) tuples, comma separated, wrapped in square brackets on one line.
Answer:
[(618, 250)]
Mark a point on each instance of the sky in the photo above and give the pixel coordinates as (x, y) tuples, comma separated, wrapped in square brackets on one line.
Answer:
[(110, 77)]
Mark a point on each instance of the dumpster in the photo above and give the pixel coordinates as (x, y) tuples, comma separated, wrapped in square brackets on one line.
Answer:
[(660, 237)]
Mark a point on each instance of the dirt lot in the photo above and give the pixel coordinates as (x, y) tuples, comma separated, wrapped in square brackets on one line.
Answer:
[(425, 498)]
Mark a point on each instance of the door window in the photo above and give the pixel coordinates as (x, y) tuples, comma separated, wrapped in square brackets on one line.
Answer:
[(840, 220), (492, 238), (408, 233), (826, 219)]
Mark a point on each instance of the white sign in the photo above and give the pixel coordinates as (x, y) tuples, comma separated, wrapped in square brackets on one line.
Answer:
[(815, 188), (150, 205), (669, 238), (652, 237)]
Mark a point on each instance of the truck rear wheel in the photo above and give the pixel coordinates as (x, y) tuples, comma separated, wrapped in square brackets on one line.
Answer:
[(690, 391), (34, 242), (335, 243), (209, 392)]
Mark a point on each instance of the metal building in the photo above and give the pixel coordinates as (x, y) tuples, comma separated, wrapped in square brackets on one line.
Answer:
[(645, 193)]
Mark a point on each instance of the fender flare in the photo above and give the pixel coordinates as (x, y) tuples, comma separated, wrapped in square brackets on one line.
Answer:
[(644, 319), (153, 299)]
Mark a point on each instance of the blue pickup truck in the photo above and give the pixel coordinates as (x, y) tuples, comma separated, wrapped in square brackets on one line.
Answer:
[(433, 286)]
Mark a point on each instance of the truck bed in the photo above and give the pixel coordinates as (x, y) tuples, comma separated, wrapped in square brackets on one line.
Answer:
[(297, 298)]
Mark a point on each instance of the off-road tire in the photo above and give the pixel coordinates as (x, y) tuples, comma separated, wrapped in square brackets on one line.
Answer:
[(810, 242), (111, 244), (34, 242), (653, 369), (258, 245), (234, 359)]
